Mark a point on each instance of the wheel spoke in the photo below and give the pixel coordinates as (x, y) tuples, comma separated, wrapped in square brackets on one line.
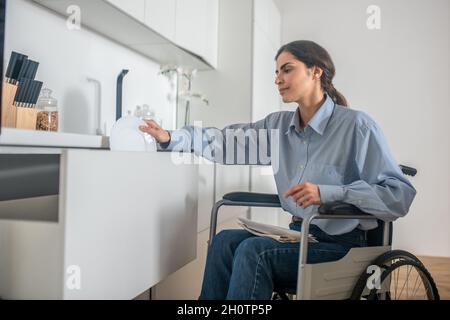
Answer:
[(396, 285), (404, 283), (414, 291), (407, 284)]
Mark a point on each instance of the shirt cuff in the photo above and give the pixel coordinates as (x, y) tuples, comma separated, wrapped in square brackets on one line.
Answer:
[(178, 138), (165, 145), (329, 193)]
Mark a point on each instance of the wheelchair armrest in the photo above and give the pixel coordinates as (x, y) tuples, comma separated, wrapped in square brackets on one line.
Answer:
[(340, 208), (250, 198), (245, 199), (409, 171)]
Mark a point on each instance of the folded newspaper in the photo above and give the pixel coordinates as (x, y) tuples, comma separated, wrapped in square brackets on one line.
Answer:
[(277, 233)]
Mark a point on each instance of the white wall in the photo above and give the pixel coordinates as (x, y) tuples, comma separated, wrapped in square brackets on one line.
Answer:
[(67, 58), (266, 99), (229, 90), (400, 76)]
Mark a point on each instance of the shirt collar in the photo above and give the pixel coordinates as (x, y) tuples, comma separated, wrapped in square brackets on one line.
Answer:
[(320, 119)]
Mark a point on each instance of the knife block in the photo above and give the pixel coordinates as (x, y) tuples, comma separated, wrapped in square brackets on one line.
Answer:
[(16, 117), (26, 118), (8, 109)]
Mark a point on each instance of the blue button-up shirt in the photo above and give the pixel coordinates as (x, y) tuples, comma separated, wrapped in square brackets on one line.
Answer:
[(341, 150)]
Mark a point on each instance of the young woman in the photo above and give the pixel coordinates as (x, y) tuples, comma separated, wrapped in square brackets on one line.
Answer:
[(327, 152)]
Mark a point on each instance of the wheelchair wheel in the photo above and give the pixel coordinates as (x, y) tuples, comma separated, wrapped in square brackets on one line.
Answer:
[(393, 256), (397, 268), (405, 280)]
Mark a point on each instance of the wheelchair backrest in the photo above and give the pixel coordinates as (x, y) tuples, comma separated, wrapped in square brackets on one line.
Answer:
[(375, 236)]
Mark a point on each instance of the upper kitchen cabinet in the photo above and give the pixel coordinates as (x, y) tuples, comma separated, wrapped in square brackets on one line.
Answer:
[(267, 19), (197, 27), (151, 27), (135, 8), (160, 16)]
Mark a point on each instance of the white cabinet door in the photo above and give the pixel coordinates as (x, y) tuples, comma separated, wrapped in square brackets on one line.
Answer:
[(121, 223), (160, 16), (135, 8), (196, 27), (130, 220), (190, 22), (212, 29)]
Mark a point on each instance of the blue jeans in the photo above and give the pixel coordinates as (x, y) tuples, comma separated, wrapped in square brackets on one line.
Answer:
[(241, 265)]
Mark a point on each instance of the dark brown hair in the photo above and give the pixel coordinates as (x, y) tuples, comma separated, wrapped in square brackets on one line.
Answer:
[(311, 54)]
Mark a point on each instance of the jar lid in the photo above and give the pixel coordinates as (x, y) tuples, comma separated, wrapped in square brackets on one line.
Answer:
[(46, 99)]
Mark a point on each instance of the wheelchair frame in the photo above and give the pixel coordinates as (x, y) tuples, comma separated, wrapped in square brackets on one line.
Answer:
[(327, 280), (321, 280)]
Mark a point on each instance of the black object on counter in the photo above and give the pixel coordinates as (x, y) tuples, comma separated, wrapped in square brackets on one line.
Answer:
[(11, 65), (15, 65), (23, 70), (28, 70), (27, 93), (119, 93), (35, 94), (32, 69), (18, 66), (21, 93)]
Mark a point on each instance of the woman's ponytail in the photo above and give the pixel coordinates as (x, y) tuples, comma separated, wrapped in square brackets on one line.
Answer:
[(336, 96)]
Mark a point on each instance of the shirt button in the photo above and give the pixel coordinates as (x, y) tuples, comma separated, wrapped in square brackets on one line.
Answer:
[(302, 167), (305, 142)]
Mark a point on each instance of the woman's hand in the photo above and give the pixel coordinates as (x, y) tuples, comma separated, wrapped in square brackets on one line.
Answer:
[(152, 128), (304, 194)]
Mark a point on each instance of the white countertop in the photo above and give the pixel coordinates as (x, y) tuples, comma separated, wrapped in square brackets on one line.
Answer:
[(32, 138)]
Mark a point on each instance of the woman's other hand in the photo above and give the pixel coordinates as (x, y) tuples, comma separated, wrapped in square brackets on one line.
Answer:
[(152, 128), (304, 194)]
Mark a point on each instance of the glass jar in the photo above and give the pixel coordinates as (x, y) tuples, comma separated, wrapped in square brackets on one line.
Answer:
[(138, 112), (147, 112), (47, 116)]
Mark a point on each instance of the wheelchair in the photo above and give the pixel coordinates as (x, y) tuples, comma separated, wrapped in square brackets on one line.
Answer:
[(375, 272)]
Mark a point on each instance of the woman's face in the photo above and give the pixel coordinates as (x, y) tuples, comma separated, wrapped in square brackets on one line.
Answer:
[(294, 79)]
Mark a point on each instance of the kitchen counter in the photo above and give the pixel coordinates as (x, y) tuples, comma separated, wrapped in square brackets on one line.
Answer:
[(10, 137), (81, 222)]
